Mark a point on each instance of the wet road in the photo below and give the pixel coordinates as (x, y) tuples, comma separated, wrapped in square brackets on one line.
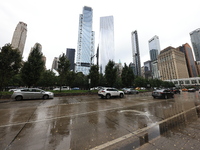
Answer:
[(88, 122)]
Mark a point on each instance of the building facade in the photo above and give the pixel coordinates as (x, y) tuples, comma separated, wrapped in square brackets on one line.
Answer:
[(70, 54), (136, 53), (39, 46), (85, 48), (147, 70), (195, 39), (55, 64), (172, 64), (191, 65), (154, 47), (106, 41), (19, 37)]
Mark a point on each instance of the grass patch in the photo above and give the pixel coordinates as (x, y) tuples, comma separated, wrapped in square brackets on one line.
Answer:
[(5, 93)]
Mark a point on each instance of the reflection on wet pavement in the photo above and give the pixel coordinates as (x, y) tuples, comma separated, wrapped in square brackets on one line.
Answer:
[(88, 122)]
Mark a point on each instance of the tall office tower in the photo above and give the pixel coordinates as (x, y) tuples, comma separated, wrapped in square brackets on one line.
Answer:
[(172, 64), (191, 66), (85, 48), (147, 69), (97, 55), (70, 54), (136, 53), (195, 39), (106, 41), (55, 64), (19, 37), (154, 47), (39, 46)]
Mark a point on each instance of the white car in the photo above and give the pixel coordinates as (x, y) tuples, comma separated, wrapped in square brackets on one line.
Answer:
[(63, 88), (110, 92), (31, 93)]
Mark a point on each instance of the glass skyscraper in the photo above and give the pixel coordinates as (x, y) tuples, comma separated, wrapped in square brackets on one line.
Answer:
[(19, 37), (136, 53), (85, 48), (70, 54), (106, 41), (195, 39), (154, 47)]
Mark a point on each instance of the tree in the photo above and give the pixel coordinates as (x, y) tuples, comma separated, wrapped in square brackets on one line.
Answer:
[(63, 69), (111, 73), (127, 76), (80, 80), (33, 67), (94, 75), (10, 63), (70, 78), (102, 80), (47, 79)]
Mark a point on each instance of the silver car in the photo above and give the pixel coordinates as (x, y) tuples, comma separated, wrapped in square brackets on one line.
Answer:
[(130, 91), (31, 93)]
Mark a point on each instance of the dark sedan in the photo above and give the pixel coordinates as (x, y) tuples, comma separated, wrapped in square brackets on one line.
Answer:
[(163, 93)]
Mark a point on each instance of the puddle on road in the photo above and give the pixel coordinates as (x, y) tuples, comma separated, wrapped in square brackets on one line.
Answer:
[(175, 119)]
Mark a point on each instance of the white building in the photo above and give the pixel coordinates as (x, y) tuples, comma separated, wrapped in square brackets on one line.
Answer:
[(85, 48), (19, 37), (106, 41)]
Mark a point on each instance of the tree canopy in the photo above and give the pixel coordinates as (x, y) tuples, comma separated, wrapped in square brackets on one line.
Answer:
[(111, 73), (63, 69), (94, 75), (33, 67), (10, 63)]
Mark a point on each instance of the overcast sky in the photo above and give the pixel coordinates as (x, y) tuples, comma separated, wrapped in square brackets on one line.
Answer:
[(54, 24)]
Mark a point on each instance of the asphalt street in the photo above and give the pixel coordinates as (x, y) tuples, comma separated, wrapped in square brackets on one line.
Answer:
[(89, 122)]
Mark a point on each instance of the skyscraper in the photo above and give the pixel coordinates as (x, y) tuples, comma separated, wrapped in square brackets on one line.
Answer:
[(85, 48), (195, 39), (55, 64), (172, 64), (70, 54), (136, 53), (191, 66), (106, 41), (154, 50), (19, 37), (39, 46), (154, 47)]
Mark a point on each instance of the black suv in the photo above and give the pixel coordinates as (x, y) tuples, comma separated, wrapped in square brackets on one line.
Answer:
[(163, 93)]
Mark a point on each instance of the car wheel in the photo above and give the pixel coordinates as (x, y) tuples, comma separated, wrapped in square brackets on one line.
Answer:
[(18, 98), (121, 95), (45, 97), (108, 96)]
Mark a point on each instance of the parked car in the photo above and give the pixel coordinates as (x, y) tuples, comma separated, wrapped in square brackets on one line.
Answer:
[(163, 93), (31, 93), (184, 90), (192, 90), (130, 91), (63, 88), (176, 91), (76, 88), (110, 92)]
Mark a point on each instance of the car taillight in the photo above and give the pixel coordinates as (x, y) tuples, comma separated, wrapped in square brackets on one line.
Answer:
[(103, 91)]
